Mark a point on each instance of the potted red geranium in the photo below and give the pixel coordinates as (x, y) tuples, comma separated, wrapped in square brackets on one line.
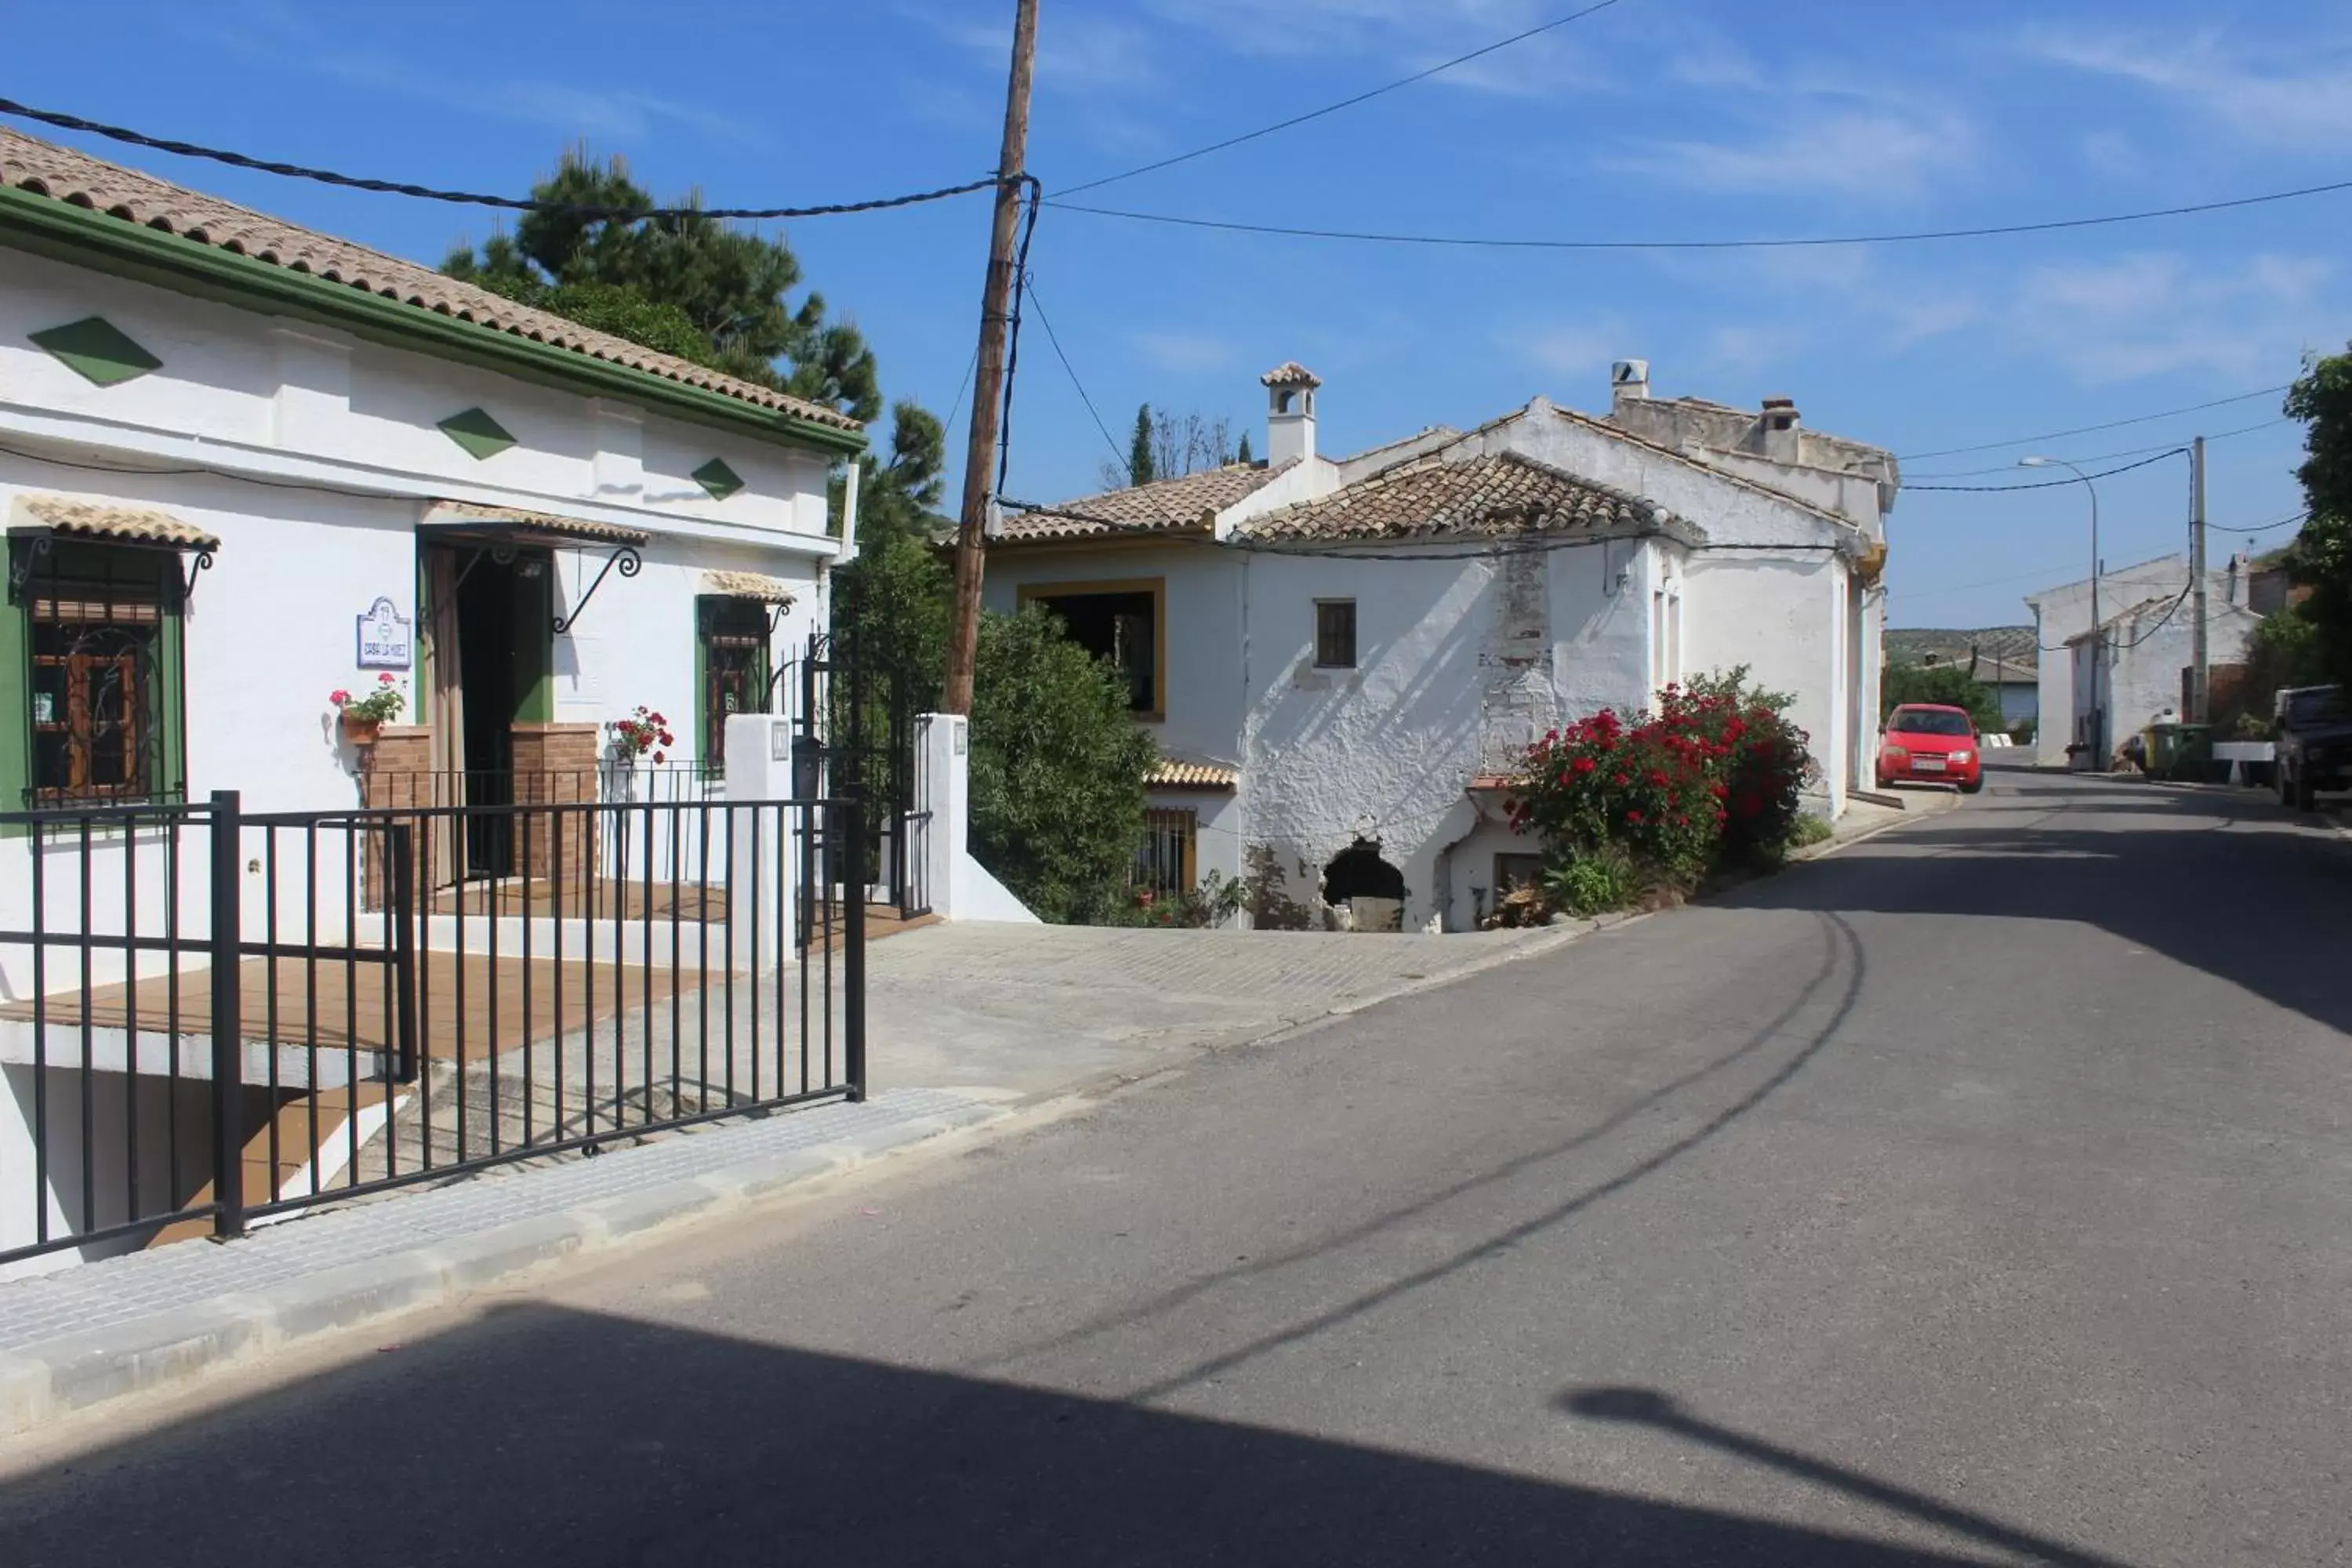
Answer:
[(363, 718)]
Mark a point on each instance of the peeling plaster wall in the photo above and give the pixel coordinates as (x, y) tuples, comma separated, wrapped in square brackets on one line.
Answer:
[(1459, 666)]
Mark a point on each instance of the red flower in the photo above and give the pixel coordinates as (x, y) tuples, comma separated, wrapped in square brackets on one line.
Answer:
[(1584, 764), (384, 679), (657, 756), (1657, 778), (339, 697), (1634, 818)]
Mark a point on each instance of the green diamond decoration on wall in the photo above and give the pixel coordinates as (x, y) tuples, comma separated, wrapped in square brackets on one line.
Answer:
[(476, 431), (97, 350), (716, 478)]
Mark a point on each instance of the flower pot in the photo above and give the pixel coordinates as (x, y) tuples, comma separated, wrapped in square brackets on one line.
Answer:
[(361, 731)]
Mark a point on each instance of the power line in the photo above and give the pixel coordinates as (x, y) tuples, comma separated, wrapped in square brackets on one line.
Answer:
[(1364, 97), (2106, 457), (2258, 528), (1055, 339), (2053, 484), (1491, 242), (470, 198), (2093, 429)]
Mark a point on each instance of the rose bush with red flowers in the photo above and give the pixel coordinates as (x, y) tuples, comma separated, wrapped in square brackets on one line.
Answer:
[(1714, 777)]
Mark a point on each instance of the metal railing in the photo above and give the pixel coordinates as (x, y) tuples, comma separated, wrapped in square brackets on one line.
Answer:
[(210, 1017)]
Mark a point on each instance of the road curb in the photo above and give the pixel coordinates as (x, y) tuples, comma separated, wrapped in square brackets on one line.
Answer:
[(77, 1372)]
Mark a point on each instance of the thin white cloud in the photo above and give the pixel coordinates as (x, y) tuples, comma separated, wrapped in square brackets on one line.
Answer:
[(1185, 352), (1402, 35), (2150, 314), (1580, 352), (1750, 349), (1076, 52), (1834, 149), (2299, 97)]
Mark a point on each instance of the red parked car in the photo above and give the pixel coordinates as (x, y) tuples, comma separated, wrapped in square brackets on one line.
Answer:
[(1929, 743)]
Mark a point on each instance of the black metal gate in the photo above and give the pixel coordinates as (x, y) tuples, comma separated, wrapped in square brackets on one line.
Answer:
[(211, 1017), (856, 738)]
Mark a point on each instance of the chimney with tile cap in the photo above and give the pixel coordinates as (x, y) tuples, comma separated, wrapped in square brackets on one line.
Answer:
[(1289, 412), (1629, 382)]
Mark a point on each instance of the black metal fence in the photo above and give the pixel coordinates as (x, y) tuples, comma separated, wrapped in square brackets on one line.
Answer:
[(210, 1017)]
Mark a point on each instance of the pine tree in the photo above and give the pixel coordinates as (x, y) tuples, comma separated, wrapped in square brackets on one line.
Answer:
[(1243, 456)]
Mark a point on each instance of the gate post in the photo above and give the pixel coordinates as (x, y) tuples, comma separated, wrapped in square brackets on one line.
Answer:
[(227, 944), (764, 842)]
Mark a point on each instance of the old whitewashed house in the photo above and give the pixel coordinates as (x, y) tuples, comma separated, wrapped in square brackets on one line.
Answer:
[(1343, 657), (242, 466)]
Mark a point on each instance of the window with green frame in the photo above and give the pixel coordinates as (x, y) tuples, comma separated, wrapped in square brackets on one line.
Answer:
[(92, 652), (730, 669)]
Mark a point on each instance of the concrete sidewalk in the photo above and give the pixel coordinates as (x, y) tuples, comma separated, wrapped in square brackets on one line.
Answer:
[(966, 1023)]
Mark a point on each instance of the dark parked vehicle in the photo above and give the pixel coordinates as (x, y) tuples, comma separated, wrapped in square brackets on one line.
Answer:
[(2312, 735)]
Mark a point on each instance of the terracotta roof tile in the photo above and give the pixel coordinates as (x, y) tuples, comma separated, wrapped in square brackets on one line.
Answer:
[(1173, 772), (78, 518), (65, 176), (463, 515), (1164, 506), (751, 585), (1429, 497), (1290, 372)]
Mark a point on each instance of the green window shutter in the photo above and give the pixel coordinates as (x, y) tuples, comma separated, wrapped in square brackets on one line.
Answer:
[(15, 707), (97, 350)]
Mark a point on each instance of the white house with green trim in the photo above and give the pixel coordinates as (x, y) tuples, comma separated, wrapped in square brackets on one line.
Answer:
[(244, 464)]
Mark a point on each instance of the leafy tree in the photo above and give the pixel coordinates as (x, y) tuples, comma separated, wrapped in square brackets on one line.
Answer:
[(1140, 470), (1950, 685), (2322, 399), (1241, 453), (729, 284), (1057, 769), (1165, 446)]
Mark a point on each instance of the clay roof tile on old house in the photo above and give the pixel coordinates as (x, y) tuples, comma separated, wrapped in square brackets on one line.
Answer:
[(41, 168), (1174, 772), (1290, 372), (75, 517), (1184, 505), (1499, 493)]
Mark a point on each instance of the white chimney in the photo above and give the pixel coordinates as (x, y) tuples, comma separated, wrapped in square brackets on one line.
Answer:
[(1778, 424), (1629, 382), (1289, 412)]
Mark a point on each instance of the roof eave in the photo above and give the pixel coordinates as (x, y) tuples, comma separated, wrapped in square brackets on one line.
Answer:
[(66, 232)]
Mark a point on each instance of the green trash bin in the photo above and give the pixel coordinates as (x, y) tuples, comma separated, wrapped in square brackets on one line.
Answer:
[(2182, 752)]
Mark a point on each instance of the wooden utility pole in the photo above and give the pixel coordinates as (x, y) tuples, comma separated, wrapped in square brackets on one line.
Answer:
[(2201, 675), (988, 383)]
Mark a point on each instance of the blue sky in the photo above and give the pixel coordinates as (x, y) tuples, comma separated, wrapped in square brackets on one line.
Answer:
[(1656, 119)]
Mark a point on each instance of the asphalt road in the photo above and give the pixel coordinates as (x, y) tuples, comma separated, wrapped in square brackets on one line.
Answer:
[(1979, 1195)]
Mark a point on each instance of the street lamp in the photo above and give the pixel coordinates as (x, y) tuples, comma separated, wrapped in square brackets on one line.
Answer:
[(2098, 632)]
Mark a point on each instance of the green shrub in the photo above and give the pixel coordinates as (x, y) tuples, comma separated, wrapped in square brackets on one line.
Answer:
[(1594, 881), (1057, 769), (1809, 831)]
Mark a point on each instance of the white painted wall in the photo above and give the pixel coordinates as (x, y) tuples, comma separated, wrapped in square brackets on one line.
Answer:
[(1218, 834), (2063, 612), (2150, 650), (113, 1098), (1786, 620), (1206, 641)]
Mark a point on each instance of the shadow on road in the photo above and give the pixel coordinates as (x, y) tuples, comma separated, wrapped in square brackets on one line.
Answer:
[(538, 1436), (2225, 883)]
